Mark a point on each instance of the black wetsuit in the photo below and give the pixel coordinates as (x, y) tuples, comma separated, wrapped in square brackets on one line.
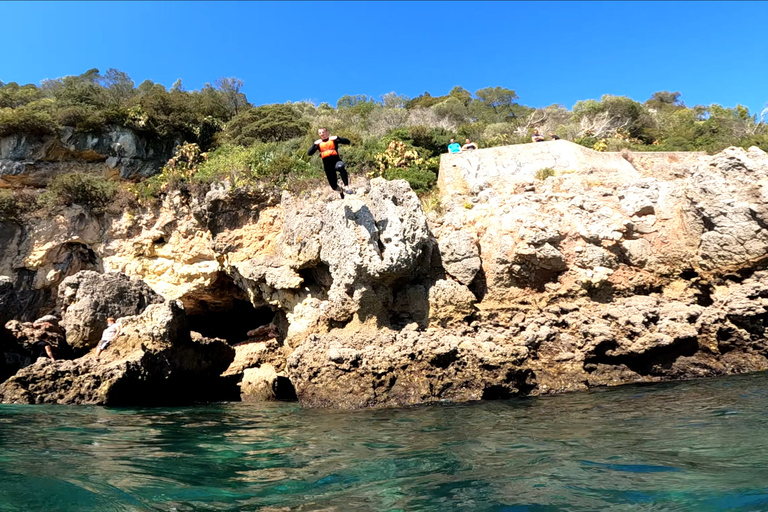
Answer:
[(332, 162)]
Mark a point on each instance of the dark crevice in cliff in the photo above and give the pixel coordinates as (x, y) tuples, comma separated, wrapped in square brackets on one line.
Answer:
[(224, 311), (743, 332), (703, 289), (33, 303), (231, 324), (445, 359), (708, 224), (517, 383), (479, 285), (319, 275), (602, 293), (653, 361), (760, 222)]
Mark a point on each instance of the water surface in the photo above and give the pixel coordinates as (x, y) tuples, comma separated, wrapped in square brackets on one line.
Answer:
[(700, 445)]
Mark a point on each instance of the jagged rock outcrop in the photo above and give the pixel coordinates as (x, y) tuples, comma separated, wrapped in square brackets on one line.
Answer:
[(88, 298), (605, 273), (153, 361), (32, 160), (335, 261)]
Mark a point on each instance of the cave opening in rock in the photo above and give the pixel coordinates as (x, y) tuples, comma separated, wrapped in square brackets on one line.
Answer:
[(224, 311), (231, 324)]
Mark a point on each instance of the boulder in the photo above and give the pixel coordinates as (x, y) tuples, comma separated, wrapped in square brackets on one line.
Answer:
[(88, 298), (154, 361), (388, 368), (461, 258)]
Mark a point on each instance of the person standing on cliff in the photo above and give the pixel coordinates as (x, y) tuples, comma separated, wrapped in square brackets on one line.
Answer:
[(108, 336), (332, 162)]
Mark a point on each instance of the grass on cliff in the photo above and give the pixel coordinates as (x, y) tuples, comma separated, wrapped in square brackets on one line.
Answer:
[(261, 166), (278, 166)]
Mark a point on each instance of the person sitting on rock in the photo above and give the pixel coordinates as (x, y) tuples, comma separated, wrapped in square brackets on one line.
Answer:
[(537, 137), (108, 336), (454, 147), (553, 136), (468, 145)]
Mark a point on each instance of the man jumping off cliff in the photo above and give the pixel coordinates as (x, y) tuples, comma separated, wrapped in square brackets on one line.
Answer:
[(329, 152)]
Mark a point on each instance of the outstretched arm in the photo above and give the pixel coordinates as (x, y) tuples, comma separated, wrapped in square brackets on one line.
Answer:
[(342, 140), (314, 148)]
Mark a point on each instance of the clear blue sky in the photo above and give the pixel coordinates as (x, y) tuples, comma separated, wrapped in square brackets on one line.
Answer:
[(548, 52)]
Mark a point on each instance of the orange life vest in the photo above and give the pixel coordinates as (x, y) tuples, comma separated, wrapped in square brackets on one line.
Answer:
[(328, 148)]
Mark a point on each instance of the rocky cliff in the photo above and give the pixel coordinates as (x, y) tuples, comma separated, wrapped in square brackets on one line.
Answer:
[(598, 271), (32, 161)]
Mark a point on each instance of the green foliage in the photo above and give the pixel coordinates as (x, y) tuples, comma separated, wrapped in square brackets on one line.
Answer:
[(401, 160), (9, 208), (545, 173), (394, 100), (421, 180), (26, 120), (461, 94), (452, 109), (613, 112), (13, 96), (268, 123), (267, 144), (432, 140), (499, 100), (86, 190), (664, 100), (262, 164), (90, 102), (424, 101)]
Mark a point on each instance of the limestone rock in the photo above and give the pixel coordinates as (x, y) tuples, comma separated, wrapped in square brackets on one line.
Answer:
[(153, 362), (29, 160), (387, 368), (450, 303), (460, 256), (88, 298)]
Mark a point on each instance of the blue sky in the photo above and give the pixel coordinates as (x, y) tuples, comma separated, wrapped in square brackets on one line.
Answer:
[(548, 52)]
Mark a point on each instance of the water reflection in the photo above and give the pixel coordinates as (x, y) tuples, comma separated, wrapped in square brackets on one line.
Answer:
[(685, 446)]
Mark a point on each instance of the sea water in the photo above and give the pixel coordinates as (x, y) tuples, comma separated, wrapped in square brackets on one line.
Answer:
[(699, 445)]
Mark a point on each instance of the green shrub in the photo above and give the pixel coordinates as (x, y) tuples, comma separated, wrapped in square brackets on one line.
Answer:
[(545, 173), (421, 180), (587, 141), (9, 208), (25, 120), (268, 123), (93, 192)]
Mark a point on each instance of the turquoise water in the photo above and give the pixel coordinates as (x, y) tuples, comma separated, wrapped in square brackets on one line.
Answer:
[(699, 445)]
